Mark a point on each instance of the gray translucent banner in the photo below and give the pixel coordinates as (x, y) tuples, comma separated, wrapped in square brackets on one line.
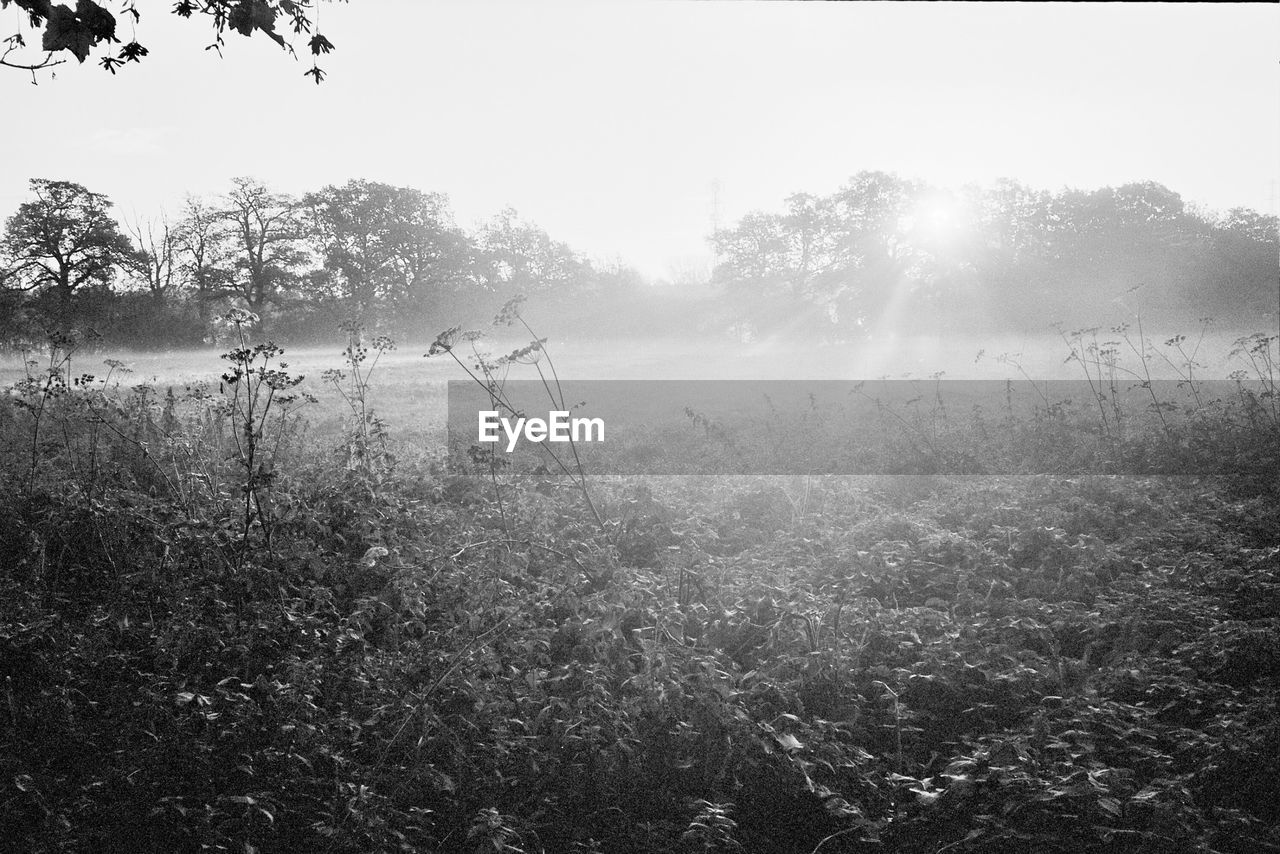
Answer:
[(789, 427)]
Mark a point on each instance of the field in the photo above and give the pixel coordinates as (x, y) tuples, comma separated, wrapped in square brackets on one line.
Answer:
[(409, 391), (225, 630)]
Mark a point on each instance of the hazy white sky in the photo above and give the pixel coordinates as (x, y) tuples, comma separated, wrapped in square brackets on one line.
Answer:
[(608, 122)]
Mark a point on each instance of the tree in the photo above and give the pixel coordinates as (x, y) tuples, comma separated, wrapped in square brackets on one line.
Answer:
[(871, 257), (62, 242), (755, 254), (843, 257), (262, 235), (155, 265), (882, 251), (1247, 224), (91, 27), (1246, 243), (519, 257), (382, 248), (202, 250)]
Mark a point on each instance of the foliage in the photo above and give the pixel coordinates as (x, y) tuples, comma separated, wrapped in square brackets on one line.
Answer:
[(387, 258), (91, 27), (883, 248), (855, 264), (804, 664), (60, 244), (262, 233), (387, 251), (259, 404), (491, 374), (366, 449)]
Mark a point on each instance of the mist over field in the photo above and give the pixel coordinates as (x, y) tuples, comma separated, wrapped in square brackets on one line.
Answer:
[(409, 393), (977, 357)]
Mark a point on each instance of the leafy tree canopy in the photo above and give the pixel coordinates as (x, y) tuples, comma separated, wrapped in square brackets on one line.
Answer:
[(91, 28), (64, 240), (383, 246)]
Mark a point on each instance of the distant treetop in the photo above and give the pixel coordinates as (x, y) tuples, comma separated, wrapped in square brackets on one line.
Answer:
[(90, 28)]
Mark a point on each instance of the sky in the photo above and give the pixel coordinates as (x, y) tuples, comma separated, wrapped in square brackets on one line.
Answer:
[(629, 129)]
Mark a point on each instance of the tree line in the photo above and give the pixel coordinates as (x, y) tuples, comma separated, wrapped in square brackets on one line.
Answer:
[(880, 254), (886, 252), (382, 256)]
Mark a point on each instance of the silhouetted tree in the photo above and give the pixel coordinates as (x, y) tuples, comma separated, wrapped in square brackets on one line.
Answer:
[(261, 234), (203, 253), (61, 243), (156, 265), (386, 251)]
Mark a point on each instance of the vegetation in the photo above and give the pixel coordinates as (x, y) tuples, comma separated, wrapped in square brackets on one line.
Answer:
[(882, 249), (847, 266), (221, 632), (91, 27)]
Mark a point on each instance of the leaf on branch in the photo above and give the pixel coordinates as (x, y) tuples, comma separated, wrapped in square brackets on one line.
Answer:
[(132, 52), (319, 44), (80, 30), (64, 32), (314, 72), (250, 15), (100, 22), (38, 11)]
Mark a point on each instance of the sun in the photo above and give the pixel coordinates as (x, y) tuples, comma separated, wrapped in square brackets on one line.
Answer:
[(937, 221)]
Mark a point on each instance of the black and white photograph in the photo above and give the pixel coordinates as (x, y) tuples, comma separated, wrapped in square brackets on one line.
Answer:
[(639, 427)]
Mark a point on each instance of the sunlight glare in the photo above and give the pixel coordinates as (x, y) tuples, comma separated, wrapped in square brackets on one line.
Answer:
[(936, 221)]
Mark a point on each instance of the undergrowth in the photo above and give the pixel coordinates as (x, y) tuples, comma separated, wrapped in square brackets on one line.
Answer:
[(219, 633)]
